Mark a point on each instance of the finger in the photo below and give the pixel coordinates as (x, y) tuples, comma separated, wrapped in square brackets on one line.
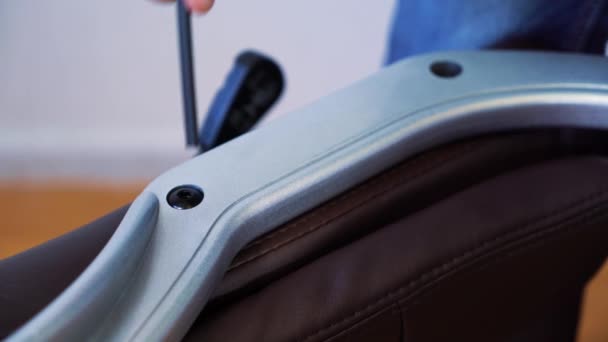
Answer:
[(199, 6)]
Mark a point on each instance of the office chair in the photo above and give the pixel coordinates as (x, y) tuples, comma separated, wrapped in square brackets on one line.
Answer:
[(451, 196)]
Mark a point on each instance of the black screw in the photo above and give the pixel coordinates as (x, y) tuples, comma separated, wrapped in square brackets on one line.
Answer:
[(185, 197), (446, 69)]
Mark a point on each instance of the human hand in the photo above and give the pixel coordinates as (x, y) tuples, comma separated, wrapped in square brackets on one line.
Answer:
[(196, 6)]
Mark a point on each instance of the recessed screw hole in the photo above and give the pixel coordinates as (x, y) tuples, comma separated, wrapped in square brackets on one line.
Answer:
[(446, 69)]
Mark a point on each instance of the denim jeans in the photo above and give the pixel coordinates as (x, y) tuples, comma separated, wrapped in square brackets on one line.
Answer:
[(421, 26)]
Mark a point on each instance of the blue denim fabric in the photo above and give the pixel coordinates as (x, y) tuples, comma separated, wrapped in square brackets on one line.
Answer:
[(421, 26)]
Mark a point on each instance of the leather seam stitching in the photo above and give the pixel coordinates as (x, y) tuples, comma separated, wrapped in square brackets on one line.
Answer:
[(406, 302), (439, 162), (531, 239), (447, 266), (434, 161)]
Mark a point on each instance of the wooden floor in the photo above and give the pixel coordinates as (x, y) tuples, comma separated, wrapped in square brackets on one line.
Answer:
[(34, 213)]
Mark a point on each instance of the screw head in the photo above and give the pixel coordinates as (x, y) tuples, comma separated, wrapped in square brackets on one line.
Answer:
[(185, 197), (446, 69)]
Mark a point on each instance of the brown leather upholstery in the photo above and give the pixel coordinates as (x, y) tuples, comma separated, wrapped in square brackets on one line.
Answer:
[(435, 248), (487, 239), (491, 262)]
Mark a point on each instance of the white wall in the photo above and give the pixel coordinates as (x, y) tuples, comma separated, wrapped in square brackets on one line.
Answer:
[(90, 89)]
